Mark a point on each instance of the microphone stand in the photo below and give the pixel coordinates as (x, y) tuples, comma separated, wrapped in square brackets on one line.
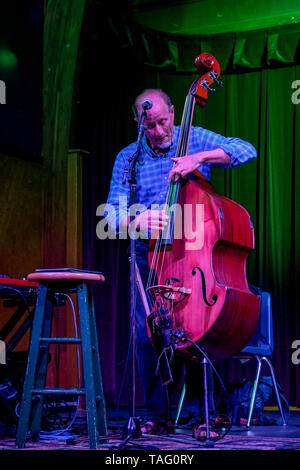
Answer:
[(133, 428)]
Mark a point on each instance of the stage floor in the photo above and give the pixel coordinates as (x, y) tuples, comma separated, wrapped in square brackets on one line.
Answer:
[(260, 437)]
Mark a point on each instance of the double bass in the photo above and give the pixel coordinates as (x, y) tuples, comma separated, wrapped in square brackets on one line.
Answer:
[(197, 286)]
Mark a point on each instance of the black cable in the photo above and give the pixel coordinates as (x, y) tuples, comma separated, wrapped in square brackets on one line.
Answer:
[(220, 380), (210, 363), (123, 379), (61, 433), (19, 293), (57, 349)]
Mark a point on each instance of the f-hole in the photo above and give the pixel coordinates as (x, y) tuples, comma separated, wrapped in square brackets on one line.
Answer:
[(203, 285)]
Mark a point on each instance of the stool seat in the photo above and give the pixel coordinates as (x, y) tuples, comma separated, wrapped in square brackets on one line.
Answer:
[(65, 276)]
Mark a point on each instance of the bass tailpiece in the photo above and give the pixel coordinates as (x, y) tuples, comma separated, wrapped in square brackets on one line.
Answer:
[(164, 339)]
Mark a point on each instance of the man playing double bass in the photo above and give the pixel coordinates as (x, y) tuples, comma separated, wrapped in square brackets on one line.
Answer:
[(156, 166)]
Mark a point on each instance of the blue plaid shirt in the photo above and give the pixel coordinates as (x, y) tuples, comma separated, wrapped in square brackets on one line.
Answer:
[(152, 169)]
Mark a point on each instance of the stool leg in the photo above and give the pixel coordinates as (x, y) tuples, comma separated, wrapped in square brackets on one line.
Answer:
[(87, 358), (41, 373), (100, 401), (32, 361)]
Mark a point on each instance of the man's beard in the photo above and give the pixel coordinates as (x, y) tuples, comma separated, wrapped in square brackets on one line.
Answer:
[(164, 145)]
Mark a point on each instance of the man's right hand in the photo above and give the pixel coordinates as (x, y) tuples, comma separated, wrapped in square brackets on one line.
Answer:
[(151, 220)]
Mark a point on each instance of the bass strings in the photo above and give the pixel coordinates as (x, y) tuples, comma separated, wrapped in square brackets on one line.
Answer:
[(180, 151)]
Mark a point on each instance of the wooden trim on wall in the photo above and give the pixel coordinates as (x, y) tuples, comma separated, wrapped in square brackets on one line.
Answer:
[(74, 208)]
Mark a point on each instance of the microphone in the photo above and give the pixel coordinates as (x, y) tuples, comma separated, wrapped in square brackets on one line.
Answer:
[(147, 104)]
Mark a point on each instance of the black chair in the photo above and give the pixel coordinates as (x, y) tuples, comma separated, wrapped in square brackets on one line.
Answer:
[(261, 348)]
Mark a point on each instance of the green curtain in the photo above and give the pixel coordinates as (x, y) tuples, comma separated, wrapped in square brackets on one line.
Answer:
[(261, 109), (257, 106), (246, 49)]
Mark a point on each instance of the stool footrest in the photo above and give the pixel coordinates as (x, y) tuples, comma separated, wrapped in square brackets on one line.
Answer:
[(61, 340), (59, 391)]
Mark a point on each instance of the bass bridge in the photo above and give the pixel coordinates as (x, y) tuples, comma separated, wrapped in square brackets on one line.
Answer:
[(166, 295), (169, 292)]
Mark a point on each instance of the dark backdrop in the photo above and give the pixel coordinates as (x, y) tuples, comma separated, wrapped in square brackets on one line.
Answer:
[(21, 52)]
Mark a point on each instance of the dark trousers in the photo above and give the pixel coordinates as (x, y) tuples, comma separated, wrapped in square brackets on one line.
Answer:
[(155, 394)]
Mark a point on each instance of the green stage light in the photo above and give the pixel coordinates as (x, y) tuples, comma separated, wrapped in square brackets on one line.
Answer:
[(8, 59)]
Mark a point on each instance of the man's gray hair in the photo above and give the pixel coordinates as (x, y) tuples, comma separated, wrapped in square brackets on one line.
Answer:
[(151, 91)]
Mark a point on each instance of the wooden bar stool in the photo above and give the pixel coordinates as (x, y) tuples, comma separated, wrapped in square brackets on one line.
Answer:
[(52, 283)]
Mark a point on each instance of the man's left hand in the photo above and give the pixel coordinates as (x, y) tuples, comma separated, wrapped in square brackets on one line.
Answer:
[(189, 163), (183, 166)]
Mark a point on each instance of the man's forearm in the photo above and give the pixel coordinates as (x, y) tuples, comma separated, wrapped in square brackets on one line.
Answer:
[(212, 156)]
